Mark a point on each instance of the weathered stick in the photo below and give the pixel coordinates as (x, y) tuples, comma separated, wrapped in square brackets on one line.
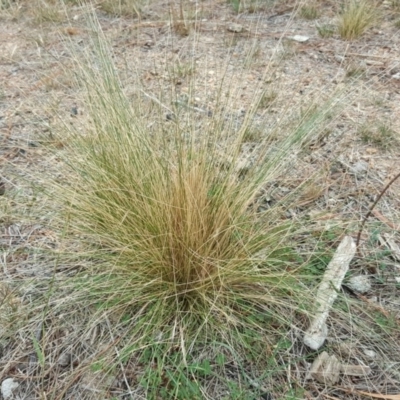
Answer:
[(327, 292)]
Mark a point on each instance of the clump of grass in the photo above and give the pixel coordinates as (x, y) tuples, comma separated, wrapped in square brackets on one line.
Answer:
[(250, 6), (5, 4), (381, 135), (325, 30), (177, 255), (309, 12), (181, 70), (50, 11), (355, 71), (130, 8), (395, 5), (181, 24), (235, 5), (184, 243), (267, 99), (253, 54), (356, 17), (252, 134)]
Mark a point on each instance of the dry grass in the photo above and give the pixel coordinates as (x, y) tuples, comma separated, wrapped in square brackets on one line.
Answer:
[(128, 8), (176, 252), (184, 240), (356, 17), (309, 11)]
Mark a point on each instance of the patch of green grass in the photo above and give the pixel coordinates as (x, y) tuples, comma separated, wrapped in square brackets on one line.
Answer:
[(6, 4), (50, 11), (327, 241), (325, 30), (251, 6), (381, 135), (355, 71), (252, 134), (309, 11), (235, 5), (267, 98), (356, 17), (253, 54), (395, 5), (181, 70), (129, 8)]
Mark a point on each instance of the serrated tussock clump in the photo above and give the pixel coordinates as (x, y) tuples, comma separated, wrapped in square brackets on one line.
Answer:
[(178, 249), (356, 17)]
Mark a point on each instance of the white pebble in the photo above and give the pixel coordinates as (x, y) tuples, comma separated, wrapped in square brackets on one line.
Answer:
[(359, 283), (7, 388)]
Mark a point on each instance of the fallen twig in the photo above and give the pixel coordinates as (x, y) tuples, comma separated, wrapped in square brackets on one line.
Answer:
[(371, 209)]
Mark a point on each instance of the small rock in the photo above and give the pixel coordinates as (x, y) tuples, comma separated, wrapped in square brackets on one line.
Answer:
[(64, 360), (339, 58), (359, 168), (236, 28), (371, 150), (359, 283), (7, 388), (369, 353), (396, 76), (299, 38), (394, 70), (326, 369)]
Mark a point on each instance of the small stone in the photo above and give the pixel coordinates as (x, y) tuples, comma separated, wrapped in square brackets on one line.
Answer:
[(359, 283), (299, 38), (369, 353), (64, 360), (326, 369), (396, 76), (7, 388), (371, 150), (236, 28), (359, 168), (339, 58)]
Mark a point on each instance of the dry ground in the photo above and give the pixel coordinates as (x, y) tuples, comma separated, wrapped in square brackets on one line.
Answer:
[(359, 154)]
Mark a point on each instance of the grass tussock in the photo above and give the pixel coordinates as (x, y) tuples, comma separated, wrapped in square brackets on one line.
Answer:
[(309, 11), (175, 228), (356, 17), (381, 135), (179, 247), (127, 8)]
